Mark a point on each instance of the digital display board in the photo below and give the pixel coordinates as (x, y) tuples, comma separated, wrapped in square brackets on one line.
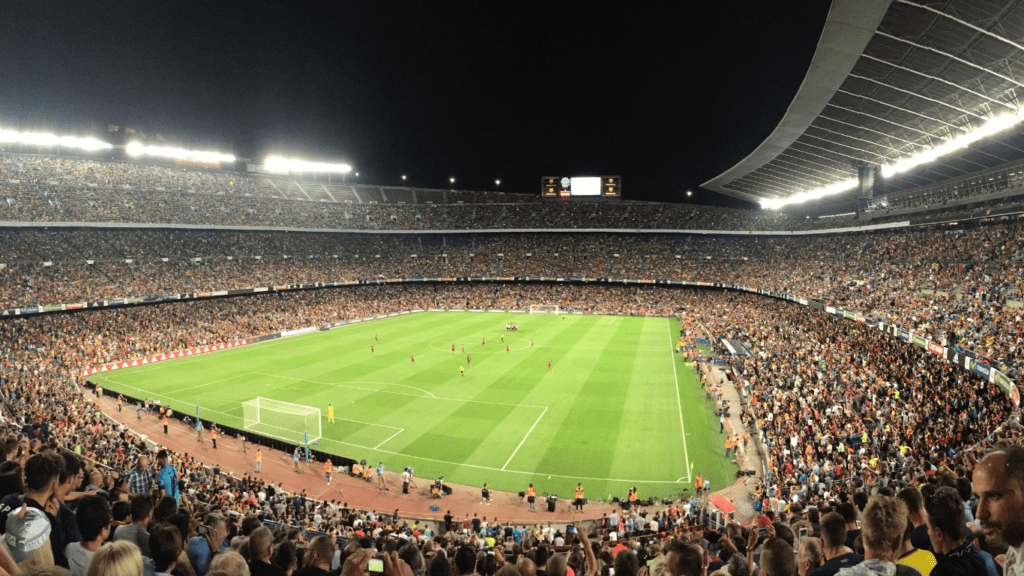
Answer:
[(587, 186), (554, 187)]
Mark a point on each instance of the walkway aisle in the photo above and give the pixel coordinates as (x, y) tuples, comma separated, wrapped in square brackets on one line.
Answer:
[(748, 458)]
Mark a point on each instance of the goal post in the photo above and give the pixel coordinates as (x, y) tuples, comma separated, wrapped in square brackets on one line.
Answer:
[(283, 420), (544, 308)]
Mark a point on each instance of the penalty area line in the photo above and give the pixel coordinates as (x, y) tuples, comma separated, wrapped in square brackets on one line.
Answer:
[(400, 430), (523, 441)]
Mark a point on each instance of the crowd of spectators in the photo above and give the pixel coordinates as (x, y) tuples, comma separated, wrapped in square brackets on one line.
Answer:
[(838, 403), (49, 189), (846, 415), (954, 284)]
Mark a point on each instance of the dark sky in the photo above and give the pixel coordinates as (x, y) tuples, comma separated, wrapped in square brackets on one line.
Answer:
[(665, 95)]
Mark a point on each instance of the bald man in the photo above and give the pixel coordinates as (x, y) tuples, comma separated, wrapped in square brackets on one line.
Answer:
[(998, 483)]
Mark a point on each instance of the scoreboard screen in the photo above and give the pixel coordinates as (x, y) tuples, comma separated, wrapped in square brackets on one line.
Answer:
[(581, 187)]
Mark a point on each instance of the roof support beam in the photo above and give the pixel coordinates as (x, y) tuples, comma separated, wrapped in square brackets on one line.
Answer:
[(895, 107), (835, 172), (799, 172), (793, 147), (779, 183), (879, 118), (826, 176), (880, 144), (948, 55), (942, 80), (917, 95), (786, 172), (761, 183), (859, 127), (963, 23), (783, 180), (835, 143)]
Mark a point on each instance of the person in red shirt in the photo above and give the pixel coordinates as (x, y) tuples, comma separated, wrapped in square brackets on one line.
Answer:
[(618, 548), (413, 358)]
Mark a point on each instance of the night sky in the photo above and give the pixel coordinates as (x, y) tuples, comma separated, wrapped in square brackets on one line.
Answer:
[(664, 95)]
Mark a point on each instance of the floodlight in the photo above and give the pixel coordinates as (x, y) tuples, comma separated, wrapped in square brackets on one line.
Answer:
[(497, 182), (49, 140), (689, 193), (951, 145), (452, 180), (993, 126), (285, 165), (139, 149), (836, 188), (404, 176)]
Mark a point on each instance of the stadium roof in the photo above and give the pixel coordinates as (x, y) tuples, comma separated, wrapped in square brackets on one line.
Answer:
[(892, 79)]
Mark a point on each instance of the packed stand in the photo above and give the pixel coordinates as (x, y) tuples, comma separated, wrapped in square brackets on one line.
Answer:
[(48, 189), (822, 450), (953, 283)]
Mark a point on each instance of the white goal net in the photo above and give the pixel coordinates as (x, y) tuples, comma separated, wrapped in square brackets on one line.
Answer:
[(544, 308), (283, 420)]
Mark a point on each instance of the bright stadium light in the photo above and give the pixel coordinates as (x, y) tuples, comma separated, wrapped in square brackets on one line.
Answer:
[(404, 177), (139, 149), (993, 126), (286, 165), (50, 140), (836, 188)]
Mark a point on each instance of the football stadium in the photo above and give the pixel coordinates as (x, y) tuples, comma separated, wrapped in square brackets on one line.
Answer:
[(217, 363)]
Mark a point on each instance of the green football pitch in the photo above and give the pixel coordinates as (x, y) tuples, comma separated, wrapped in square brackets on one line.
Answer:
[(619, 407)]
